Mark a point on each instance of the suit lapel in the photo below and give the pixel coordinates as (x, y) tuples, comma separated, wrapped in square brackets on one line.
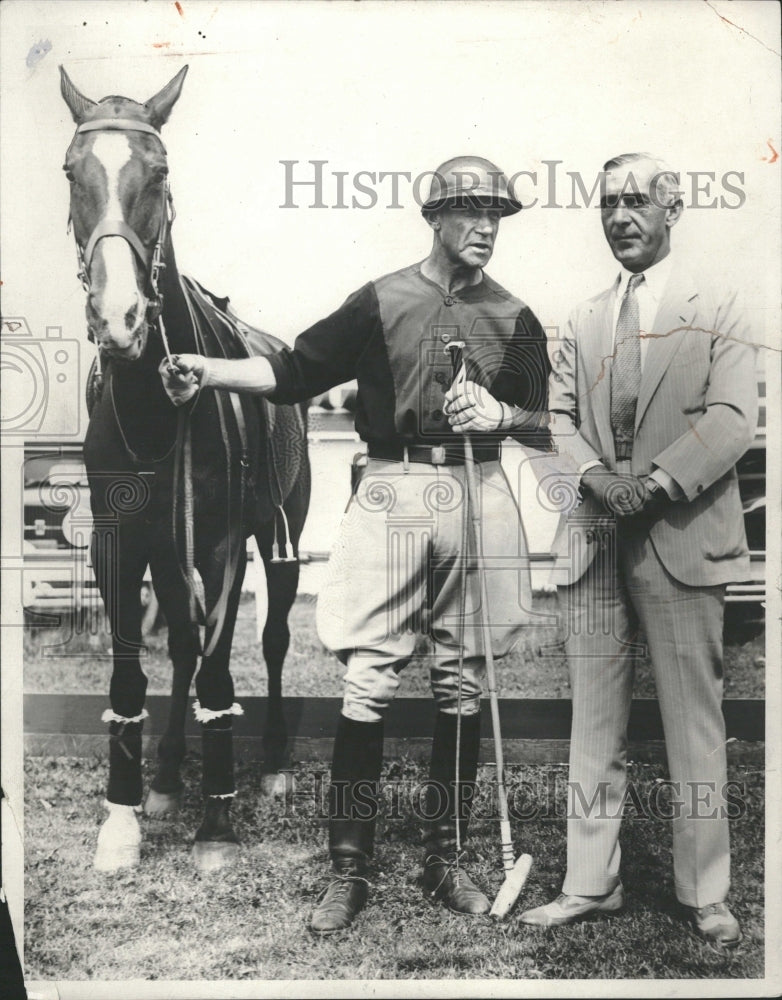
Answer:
[(597, 365), (674, 316)]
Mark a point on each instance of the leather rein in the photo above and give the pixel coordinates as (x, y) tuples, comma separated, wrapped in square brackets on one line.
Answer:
[(153, 263), (183, 467)]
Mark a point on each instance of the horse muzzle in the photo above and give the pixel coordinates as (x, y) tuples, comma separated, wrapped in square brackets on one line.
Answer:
[(122, 334), (129, 348), (128, 354)]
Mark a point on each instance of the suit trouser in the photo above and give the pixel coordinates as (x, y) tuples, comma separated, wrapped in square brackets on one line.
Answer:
[(395, 572), (683, 628)]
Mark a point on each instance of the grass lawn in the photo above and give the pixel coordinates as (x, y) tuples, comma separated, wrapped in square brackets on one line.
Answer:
[(57, 661), (162, 921)]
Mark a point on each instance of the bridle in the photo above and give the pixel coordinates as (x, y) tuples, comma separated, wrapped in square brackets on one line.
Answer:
[(152, 262)]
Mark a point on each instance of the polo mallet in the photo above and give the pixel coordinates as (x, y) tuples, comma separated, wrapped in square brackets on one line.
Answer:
[(516, 871)]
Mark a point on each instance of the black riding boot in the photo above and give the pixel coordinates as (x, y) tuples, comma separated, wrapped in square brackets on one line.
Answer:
[(355, 770), (444, 878)]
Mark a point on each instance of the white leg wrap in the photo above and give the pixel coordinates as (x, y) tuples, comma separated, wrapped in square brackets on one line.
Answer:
[(110, 716), (119, 839), (206, 714)]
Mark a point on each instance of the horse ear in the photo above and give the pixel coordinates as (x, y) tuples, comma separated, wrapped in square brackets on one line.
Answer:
[(77, 102), (161, 104)]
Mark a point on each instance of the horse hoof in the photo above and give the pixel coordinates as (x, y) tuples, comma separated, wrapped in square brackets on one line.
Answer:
[(119, 840), (160, 804), (211, 856), (275, 785), (112, 859)]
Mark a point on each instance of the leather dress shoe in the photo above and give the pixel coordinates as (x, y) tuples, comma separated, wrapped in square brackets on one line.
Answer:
[(448, 882), (567, 909), (341, 901), (715, 924)]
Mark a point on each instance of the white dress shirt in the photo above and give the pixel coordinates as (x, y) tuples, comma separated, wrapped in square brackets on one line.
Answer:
[(649, 294)]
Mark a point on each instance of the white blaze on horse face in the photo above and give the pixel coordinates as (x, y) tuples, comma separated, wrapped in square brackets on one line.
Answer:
[(116, 298)]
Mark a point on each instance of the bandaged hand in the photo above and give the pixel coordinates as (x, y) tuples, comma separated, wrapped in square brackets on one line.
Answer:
[(471, 407), (185, 378), (622, 495)]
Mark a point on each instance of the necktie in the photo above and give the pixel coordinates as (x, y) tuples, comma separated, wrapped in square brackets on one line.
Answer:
[(626, 371)]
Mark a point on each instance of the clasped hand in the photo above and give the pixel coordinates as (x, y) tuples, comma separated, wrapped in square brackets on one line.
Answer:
[(623, 495), (470, 407), (184, 380)]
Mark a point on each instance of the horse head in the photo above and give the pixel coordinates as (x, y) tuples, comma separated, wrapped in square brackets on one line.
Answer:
[(121, 211)]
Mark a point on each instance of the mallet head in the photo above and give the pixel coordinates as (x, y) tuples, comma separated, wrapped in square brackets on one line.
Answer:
[(511, 887)]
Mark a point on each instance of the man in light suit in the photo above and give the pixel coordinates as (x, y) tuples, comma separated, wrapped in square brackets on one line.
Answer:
[(654, 399)]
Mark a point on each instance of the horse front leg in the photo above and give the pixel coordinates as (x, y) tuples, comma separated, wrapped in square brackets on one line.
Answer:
[(216, 844), (119, 561), (166, 790)]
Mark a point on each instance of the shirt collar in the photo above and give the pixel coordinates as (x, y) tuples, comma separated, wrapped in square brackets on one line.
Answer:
[(655, 278)]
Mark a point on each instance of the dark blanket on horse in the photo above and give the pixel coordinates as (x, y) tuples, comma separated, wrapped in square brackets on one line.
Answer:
[(283, 436)]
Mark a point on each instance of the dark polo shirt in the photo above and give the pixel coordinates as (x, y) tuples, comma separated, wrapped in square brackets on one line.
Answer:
[(391, 336)]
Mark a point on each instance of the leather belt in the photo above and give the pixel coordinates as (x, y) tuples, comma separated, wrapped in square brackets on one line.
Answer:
[(441, 454)]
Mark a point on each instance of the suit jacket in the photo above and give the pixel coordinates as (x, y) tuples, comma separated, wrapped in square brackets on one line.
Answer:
[(696, 416)]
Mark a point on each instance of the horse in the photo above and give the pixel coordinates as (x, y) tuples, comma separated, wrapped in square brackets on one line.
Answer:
[(180, 492)]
